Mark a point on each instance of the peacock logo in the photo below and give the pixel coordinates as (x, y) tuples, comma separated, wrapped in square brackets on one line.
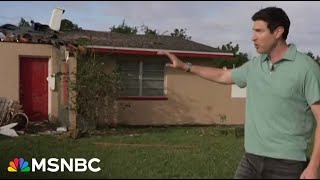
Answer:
[(18, 165)]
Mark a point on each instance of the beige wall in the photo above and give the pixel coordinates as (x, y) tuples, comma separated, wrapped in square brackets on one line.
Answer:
[(191, 100), (9, 70)]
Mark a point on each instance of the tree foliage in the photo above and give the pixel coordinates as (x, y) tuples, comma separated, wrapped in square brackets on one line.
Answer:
[(239, 57), (147, 31), (124, 28), (182, 33), (23, 23), (67, 25)]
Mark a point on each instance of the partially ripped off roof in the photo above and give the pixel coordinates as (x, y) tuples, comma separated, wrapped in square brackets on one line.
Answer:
[(40, 33), (37, 33)]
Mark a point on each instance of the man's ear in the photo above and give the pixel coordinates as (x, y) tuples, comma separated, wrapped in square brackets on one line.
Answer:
[(279, 31)]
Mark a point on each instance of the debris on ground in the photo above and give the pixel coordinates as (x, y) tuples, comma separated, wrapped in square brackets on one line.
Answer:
[(12, 117), (8, 131)]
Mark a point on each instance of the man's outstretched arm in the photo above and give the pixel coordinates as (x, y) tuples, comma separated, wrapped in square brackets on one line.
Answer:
[(222, 76)]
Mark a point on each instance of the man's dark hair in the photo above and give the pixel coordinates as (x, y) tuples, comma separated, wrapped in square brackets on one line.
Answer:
[(274, 17)]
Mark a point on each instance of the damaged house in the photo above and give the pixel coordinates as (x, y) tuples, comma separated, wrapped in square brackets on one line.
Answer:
[(32, 56)]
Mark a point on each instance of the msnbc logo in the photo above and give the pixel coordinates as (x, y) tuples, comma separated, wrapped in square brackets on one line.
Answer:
[(18, 163), (54, 165)]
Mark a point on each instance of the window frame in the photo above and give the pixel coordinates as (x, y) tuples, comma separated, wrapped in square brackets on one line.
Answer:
[(140, 80)]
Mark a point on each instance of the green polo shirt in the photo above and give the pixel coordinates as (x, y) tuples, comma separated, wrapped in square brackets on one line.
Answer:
[(279, 120)]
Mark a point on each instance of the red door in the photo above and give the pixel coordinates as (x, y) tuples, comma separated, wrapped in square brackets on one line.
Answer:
[(34, 87)]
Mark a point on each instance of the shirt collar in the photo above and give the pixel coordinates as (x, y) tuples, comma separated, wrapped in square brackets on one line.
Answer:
[(289, 55)]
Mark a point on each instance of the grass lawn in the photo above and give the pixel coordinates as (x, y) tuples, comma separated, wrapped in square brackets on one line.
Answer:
[(172, 152)]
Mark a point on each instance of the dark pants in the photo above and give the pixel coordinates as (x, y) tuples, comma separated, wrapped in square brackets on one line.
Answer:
[(253, 166)]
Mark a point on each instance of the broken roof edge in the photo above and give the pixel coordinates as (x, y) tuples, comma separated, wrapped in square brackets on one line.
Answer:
[(153, 52), (32, 43)]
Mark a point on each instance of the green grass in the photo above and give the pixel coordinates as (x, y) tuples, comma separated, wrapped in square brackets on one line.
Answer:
[(173, 152)]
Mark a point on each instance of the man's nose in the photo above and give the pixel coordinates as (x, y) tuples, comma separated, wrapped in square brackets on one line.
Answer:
[(253, 38)]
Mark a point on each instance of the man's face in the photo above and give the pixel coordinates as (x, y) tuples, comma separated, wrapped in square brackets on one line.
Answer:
[(262, 38)]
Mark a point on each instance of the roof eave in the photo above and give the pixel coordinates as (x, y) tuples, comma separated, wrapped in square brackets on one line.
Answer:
[(153, 52)]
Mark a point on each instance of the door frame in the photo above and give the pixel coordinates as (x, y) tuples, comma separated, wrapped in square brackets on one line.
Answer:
[(49, 72)]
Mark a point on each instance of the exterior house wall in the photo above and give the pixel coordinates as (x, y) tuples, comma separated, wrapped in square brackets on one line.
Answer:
[(9, 70), (191, 100)]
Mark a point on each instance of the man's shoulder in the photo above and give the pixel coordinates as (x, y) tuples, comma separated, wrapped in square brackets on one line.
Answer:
[(306, 61), (303, 56)]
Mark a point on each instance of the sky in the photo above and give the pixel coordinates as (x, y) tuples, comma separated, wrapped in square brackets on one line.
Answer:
[(212, 23)]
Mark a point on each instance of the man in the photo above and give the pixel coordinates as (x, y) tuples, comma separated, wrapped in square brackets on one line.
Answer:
[(282, 107)]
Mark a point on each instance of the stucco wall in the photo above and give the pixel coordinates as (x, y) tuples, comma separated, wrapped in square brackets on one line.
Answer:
[(9, 70), (191, 100)]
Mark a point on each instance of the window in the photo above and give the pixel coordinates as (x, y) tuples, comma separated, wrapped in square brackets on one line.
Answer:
[(142, 78)]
